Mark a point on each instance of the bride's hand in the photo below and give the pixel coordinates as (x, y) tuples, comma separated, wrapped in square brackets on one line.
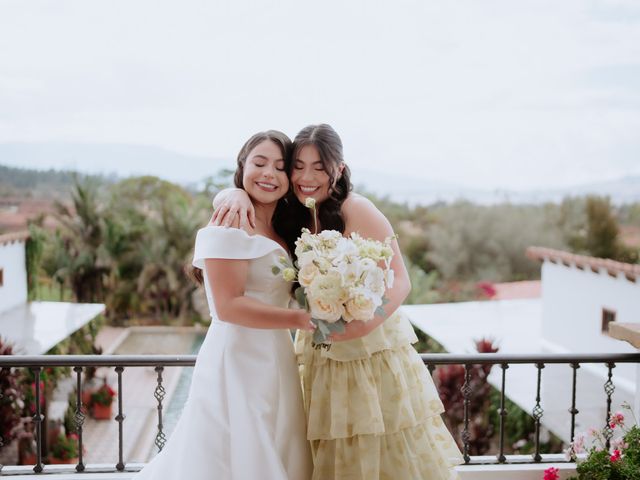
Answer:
[(353, 329), (234, 203), (304, 321)]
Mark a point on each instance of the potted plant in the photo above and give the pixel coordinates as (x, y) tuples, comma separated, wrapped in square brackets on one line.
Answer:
[(64, 449), (88, 386), (621, 461), (101, 402), (11, 398), (26, 443)]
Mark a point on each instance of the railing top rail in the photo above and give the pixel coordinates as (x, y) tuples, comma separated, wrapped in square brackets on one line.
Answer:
[(528, 358), (97, 360), (429, 358)]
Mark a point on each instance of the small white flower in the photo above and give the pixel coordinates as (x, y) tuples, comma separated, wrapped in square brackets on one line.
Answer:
[(289, 274), (310, 202)]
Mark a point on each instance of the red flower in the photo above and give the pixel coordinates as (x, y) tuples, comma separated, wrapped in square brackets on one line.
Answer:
[(486, 289), (616, 456), (551, 473), (616, 419)]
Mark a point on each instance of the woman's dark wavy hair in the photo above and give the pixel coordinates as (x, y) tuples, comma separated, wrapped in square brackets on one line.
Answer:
[(325, 139), (284, 144)]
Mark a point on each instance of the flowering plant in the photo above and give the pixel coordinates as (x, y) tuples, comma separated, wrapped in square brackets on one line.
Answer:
[(620, 462), (104, 395), (341, 279), (65, 447)]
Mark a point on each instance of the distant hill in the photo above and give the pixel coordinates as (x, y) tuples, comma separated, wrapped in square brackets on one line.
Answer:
[(25, 182), (31, 165), (110, 158)]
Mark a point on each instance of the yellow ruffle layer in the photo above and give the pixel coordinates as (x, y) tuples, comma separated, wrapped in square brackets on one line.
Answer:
[(388, 392), (423, 452), (373, 411)]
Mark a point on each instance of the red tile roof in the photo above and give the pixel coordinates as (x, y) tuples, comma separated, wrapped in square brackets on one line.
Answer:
[(597, 265), (517, 290), (13, 237)]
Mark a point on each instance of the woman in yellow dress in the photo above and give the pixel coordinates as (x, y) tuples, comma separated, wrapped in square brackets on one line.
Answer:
[(372, 409)]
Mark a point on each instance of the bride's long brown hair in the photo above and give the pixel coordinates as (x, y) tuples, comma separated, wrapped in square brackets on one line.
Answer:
[(329, 145), (284, 144)]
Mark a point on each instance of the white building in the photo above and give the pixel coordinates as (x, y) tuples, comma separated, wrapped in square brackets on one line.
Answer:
[(33, 327), (580, 296)]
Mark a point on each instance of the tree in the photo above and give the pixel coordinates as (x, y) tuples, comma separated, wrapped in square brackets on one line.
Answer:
[(79, 258)]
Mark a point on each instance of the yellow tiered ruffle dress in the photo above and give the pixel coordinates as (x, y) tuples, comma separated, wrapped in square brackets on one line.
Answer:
[(373, 411)]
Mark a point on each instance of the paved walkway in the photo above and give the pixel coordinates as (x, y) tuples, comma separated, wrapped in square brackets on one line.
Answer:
[(139, 404)]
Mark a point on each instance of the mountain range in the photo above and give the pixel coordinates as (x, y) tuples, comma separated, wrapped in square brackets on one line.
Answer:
[(126, 160)]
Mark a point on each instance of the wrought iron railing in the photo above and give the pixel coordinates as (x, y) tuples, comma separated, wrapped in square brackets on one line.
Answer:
[(120, 362)]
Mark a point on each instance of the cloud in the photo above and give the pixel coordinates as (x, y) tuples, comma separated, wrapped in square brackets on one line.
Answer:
[(492, 93)]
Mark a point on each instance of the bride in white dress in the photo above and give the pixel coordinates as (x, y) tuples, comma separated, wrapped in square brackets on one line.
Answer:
[(244, 418)]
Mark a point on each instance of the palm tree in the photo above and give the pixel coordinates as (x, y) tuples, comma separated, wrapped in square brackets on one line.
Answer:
[(80, 257)]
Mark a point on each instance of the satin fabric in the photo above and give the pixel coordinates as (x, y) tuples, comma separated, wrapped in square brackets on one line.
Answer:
[(244, 418)]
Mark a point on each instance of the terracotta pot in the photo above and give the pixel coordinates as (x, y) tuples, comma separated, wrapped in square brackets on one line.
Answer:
[(86, 396), (59, 461), (101, 412), (28, 459)]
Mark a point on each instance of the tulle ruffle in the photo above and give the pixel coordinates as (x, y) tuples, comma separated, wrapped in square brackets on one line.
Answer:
[(373, 411), (388, 392), (423, 452)]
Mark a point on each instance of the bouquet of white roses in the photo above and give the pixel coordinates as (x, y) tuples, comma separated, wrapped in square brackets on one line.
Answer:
[(341, 279)]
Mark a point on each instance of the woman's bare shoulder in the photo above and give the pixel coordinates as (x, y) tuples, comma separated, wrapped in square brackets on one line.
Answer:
[(361, 215), (356, 203)]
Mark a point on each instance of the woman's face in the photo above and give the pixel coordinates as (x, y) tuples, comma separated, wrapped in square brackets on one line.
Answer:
[(309, 177), (264, 178)]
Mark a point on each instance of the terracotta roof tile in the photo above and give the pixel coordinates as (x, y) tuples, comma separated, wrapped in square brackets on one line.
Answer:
[(517, 290), (13, 237), (596, 265)]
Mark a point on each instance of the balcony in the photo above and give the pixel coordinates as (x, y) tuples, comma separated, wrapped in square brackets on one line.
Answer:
[(496, 466)]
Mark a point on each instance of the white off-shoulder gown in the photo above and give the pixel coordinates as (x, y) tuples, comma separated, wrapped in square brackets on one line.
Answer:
[(244, 418)]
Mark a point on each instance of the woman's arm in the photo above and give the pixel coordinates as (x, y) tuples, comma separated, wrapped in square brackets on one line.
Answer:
[(227, 279), (362, 216), (231, 202)]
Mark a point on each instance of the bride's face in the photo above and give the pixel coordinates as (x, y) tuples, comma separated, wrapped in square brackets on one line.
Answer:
[(265, 179), (309, 177)]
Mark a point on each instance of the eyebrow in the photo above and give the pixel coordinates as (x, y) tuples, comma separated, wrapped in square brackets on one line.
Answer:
[(266, 158), (314, 163)]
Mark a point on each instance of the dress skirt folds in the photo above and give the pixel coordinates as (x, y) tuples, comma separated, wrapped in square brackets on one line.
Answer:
[(372, 409), (244, 418)]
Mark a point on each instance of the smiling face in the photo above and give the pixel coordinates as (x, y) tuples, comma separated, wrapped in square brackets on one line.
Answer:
[(309, 177), (264, 177)]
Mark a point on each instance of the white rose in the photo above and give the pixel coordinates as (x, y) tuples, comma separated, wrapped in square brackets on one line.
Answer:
[(307, 258), (307, 274), (361, 307), (374, 281), (350, 272), (326, 296), (322, 309), (328, 286)]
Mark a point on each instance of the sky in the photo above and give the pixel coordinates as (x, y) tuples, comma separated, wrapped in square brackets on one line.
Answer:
[(493, 94)]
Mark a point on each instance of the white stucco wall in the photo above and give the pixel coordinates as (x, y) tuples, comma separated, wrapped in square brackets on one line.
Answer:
[(572, 303), (12, 262)]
